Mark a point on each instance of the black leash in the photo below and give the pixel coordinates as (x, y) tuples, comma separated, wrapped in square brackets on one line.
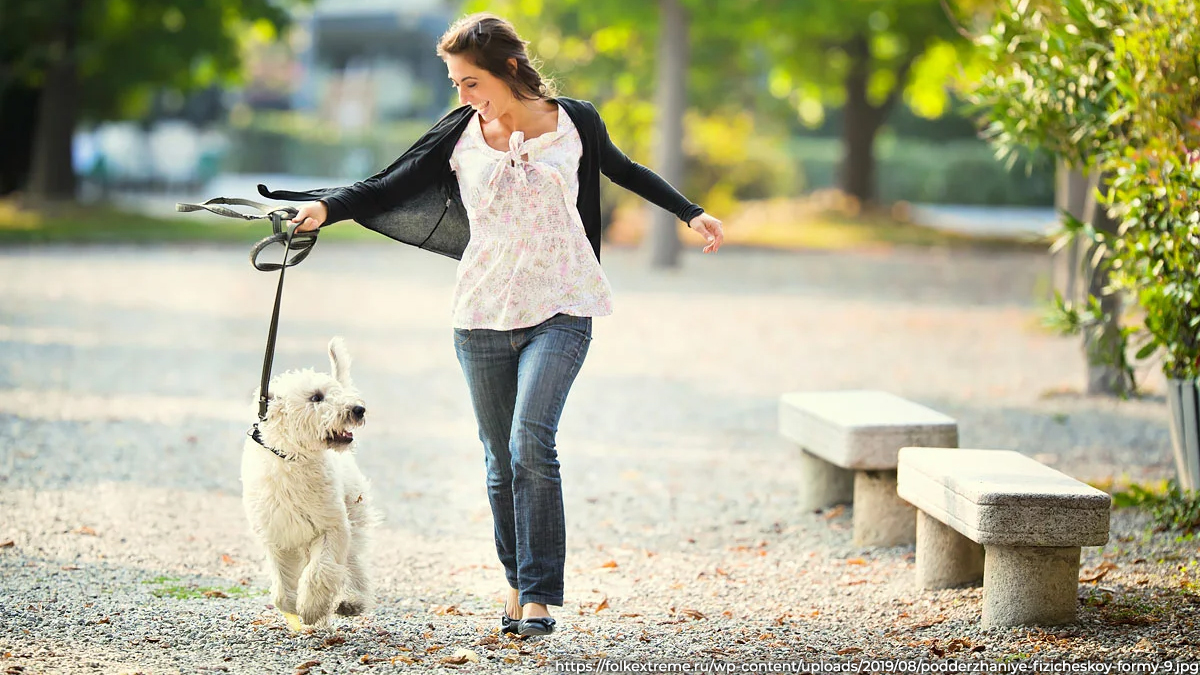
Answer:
[(296, 247)]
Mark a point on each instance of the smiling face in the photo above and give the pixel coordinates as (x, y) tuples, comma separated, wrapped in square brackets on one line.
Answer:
[(478, 88)]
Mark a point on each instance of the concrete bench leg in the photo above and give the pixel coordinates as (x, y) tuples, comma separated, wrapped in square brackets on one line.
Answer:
[(881, 517), (1030, 585), (825, 484), (945, 558)]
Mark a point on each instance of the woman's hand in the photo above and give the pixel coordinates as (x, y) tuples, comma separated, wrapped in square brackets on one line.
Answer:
[(311, 216), (710, 229)]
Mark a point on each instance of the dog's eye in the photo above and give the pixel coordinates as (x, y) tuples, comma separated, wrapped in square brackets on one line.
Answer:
[(317, 397)]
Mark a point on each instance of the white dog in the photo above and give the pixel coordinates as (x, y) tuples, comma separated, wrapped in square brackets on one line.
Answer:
[(305, 497)]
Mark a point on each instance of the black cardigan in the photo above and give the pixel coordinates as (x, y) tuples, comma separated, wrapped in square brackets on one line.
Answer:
[(416, 199)]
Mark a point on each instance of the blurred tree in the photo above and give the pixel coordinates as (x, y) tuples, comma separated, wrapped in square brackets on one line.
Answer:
[(781, 58), (103, 59), (865, 57)]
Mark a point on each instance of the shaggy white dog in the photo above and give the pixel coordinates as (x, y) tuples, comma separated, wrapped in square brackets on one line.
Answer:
[(305, 497)]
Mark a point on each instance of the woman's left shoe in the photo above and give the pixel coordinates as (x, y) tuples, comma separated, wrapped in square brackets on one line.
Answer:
[(508, 624), (540, 625)]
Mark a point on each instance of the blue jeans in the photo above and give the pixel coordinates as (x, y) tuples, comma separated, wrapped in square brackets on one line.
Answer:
[(519, 381)]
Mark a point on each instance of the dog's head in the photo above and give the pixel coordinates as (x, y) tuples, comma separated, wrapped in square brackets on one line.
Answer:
[(309, 412)]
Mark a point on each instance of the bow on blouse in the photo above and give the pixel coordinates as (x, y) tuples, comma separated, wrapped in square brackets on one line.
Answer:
[(513, 162)]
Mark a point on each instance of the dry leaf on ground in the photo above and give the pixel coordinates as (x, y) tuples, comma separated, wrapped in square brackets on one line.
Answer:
[(1098, 573), (461, 656)]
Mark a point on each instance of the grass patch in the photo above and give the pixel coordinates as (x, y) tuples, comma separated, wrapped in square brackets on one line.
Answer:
[(74, 224), (806, 229), (834, 232), (169, 587)]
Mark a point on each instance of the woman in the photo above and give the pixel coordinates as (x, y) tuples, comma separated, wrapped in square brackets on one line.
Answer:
[(509, 184)]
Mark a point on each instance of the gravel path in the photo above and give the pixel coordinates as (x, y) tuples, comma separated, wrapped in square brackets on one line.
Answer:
[(125, 383)]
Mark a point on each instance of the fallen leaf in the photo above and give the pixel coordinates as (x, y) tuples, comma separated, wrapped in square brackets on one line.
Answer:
[(460, 657), (1098, 573), (692, 613), (603, 604), (70, 568), (434, 648), (215, 594), (931, 622), (359, 500), (848, 650), (402, 659), (86, 530), (610, 564), (630, 615), (835, 512), (856, 561), (334, 640), (448, 610), (308, 664), (226, 559), (7, 543)]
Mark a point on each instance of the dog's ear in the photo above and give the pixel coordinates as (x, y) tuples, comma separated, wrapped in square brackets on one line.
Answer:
[(339, 360)]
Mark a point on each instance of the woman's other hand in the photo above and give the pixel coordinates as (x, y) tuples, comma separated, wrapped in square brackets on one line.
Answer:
[(311, 216), (710, 229)]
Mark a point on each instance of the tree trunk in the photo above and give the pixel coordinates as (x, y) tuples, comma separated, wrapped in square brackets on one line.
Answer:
[(1103, 345), (671, 101), (18, 119), (52, 176), (861, 122), (1077, 280)]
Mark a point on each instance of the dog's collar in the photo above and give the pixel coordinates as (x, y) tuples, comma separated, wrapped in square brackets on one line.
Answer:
[(254, 433)]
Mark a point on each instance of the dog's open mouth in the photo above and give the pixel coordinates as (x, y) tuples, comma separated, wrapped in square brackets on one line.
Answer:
[(340, 437)]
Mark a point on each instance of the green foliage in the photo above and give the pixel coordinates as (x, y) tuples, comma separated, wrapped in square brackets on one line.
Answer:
[(1047, 83), (807, 44), (606, 51), (1113, 87), (126, 48), (957, 172), (1156, 184), (1171, 507)]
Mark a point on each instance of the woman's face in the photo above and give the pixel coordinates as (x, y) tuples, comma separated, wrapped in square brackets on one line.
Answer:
[(478, 88)]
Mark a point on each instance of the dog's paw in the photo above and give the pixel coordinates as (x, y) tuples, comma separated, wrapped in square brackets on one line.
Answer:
[(351, 608)]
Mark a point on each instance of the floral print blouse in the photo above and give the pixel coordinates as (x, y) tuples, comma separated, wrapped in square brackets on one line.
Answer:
[(528, 257)]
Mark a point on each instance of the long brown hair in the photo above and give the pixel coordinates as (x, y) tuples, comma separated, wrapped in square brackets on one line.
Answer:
[(489, 42)]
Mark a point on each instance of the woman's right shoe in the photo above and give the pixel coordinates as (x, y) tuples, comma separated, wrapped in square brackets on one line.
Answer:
[(539, 625)]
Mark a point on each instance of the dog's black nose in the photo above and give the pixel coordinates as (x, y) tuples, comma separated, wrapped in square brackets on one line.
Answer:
[(358, 411)]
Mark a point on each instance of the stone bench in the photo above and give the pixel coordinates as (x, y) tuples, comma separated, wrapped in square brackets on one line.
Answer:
[(849, 441), (1000, 516)]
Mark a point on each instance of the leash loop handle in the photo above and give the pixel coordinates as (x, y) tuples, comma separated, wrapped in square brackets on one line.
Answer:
[(296, 247)]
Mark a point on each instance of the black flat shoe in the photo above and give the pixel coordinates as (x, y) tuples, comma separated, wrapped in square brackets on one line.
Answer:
[(541, 625), (508, 624)]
